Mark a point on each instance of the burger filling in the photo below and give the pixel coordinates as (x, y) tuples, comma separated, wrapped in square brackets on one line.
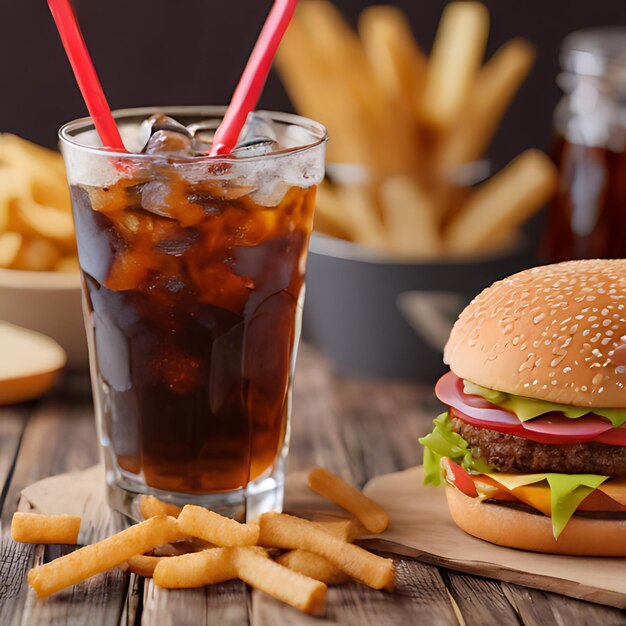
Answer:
[(556, 459)]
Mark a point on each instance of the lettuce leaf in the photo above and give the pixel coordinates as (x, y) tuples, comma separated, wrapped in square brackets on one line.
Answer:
[(443, 441), (528, 408)]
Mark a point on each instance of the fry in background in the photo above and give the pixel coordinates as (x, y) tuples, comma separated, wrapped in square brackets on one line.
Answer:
[(349, 85), (502, 203), (37, 528), (454, 62), (397, 67), (358, 204), (496, 85), (396, 60), (303, 71), (10, 246), (410, 218)]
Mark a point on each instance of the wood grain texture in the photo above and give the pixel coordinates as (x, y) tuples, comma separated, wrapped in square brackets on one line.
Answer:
[(355, 428), (537, 608), (481, 601), (225, 604)]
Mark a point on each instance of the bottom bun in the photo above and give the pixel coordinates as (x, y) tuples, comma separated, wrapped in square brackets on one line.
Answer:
[(513, 528)]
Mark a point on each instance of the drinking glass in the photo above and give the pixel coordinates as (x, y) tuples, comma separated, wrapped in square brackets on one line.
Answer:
[(193, 283)]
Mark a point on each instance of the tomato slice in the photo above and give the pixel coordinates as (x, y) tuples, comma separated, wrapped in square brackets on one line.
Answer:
[(552, 428), (458, 477)]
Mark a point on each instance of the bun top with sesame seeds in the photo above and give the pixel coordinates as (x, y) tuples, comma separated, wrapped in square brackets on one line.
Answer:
[(555, 333)]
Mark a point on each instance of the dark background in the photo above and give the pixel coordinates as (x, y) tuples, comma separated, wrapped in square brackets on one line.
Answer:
[(192, 51)]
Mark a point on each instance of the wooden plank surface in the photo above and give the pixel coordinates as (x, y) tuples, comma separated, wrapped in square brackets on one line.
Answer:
[(356, 428)]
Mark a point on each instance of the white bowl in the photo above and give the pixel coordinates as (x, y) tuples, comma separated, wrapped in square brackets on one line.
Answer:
[(50, 303)]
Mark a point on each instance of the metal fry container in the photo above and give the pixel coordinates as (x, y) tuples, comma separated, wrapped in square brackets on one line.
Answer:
[(375, 316)]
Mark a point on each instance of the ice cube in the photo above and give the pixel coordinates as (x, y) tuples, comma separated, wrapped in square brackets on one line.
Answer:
[(164, 134), (256, 126), (257, 146), (256, 138), (162, 122), (202, 134), (168, 142), (155, 198)]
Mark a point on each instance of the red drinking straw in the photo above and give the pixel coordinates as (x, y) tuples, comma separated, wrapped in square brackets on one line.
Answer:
[(253, 79), (85, 74)]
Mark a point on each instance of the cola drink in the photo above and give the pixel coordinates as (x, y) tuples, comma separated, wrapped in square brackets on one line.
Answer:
[(193, 273)]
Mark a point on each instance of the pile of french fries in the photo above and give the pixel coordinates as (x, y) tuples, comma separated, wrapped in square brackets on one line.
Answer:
[(290, 558), (416, 125), (36, 228)]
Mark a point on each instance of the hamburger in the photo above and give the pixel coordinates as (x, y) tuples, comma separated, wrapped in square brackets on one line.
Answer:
[(532, 447)]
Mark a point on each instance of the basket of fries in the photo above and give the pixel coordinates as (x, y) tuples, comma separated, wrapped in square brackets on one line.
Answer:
[(411, 221), (39, 275)]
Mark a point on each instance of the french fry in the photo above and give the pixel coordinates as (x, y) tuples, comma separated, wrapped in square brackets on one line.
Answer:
[(284, 584), (496, 85), (12, 144), (393, 54), (338, 44), (37, 528), (302, 70), (502, 203), (10, 246), (196, 521), (36, 255), (68, 265), (454, 62), (358, 204), (144, 564), (313, 566), (102, 556), (38, 220), (43, 168), (330, 486), (348, 81), (398, 68), (196, 569), (328, 206), (284, 531), (150, 506), (410, 218), (346, 530)]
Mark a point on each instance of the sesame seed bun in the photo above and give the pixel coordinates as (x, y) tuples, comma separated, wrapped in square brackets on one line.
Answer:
[(555, 333), (515, 528)]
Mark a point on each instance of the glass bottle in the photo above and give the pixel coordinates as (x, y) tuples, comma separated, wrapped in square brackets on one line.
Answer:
[(587, 218)]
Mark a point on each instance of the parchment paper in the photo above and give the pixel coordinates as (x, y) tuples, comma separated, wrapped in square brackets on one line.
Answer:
[(420, 527)]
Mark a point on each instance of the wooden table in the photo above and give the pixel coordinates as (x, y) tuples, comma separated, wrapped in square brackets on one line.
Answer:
[(356, 428)]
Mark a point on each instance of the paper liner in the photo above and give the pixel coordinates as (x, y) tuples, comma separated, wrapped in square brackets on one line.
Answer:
[(421, 527)]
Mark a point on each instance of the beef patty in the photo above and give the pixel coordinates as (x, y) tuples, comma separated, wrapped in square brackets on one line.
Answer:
[(510, 453)]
